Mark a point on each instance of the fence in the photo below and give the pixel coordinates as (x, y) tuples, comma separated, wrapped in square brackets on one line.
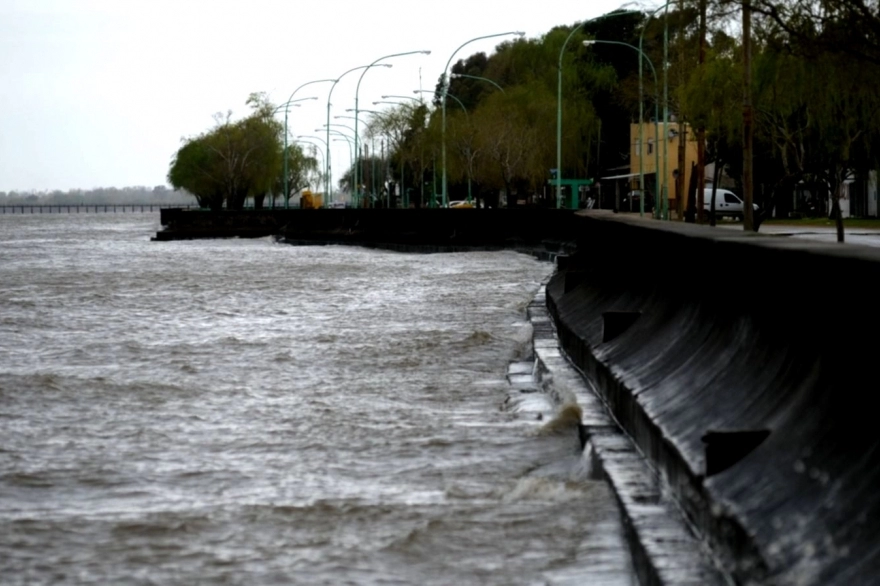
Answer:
[(88, 208)]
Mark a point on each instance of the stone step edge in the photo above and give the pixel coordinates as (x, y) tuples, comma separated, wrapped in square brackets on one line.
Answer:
[(664, 548)]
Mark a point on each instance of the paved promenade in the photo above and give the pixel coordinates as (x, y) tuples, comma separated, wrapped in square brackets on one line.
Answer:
[(865, 236)]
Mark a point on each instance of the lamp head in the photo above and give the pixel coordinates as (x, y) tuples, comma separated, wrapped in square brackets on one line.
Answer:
[(589, 42), (520, 34), (425, 52)]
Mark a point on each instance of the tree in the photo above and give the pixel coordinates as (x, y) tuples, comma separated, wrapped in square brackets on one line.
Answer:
[(302, 170), (193, 170), (509, 134), (850, 27), (233, 161)]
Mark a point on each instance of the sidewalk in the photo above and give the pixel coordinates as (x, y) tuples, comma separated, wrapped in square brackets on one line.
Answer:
[(863, 236), (821, 233)]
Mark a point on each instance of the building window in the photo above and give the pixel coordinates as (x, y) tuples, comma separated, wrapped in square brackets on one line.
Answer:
[(638, 148), (650, 146)]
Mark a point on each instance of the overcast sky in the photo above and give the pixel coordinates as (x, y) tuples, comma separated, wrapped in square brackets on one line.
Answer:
[(99, 93)]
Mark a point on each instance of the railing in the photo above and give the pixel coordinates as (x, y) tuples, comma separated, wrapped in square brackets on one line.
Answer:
[(88, 208)]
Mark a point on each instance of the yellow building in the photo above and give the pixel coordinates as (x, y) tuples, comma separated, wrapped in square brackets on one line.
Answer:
[(649, 154)]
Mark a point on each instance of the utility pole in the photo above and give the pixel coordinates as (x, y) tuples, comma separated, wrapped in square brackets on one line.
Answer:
[(701, 131), (680, 180), (748, 131)]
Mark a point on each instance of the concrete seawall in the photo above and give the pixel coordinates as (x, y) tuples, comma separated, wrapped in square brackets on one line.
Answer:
[(441, 229), (743, 367)]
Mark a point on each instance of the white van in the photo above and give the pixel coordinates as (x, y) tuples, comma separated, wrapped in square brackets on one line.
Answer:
[(727, 203)]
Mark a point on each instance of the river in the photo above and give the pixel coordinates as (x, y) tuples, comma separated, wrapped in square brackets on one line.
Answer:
[(248, 412)]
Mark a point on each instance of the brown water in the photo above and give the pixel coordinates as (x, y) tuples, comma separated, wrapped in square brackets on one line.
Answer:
[(245, 412)]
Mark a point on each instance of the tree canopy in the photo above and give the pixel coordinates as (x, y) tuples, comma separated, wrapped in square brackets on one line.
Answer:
[(238, 160)]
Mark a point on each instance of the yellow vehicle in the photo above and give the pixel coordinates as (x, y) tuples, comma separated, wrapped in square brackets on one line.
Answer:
[(309, 200), (461, 204)]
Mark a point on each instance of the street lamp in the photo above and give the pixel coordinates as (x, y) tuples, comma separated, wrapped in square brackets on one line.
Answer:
[(403, 195), (402, 98), (289, 100), (477, 77), (286, 105), (663, 209), (347, 141), (336, 126), (641, 124), (318, 148), (559, 100), (333, 129), (358, 89), (344, 138), (327, 179), (468, 117), (323, 142), (443, 100)]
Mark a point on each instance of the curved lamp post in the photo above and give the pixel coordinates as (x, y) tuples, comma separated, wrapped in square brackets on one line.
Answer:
[(347, 127), (327, 179), (662, 210), (348, 142), (333, 130), (403, 195), (477, 77), (402, 98), (318, 138), (286, 105), (320, 149), (559, 100), (344, 138), (467, 116), (358, 89), (641, 123), (289, 100), (443, 101)]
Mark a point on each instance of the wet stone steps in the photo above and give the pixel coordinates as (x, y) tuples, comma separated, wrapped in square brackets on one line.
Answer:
[(664, 550)]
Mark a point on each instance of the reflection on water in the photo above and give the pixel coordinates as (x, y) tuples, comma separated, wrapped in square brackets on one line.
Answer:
[(244, 412)]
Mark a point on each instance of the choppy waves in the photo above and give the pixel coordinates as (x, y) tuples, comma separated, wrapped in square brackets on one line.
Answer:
[(241, 412)]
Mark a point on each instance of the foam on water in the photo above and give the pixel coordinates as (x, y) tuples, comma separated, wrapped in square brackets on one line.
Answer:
[(241, 412)]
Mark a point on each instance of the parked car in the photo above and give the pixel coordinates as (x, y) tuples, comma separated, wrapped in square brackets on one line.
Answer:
[(632, 201), (727, 203), (461, 203)]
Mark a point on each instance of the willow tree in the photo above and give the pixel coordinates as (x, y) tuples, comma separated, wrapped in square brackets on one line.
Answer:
[(821, 116), (193, 170), (513, 135), (233, 161), (711, 94), (302, 170), (528, 68)]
